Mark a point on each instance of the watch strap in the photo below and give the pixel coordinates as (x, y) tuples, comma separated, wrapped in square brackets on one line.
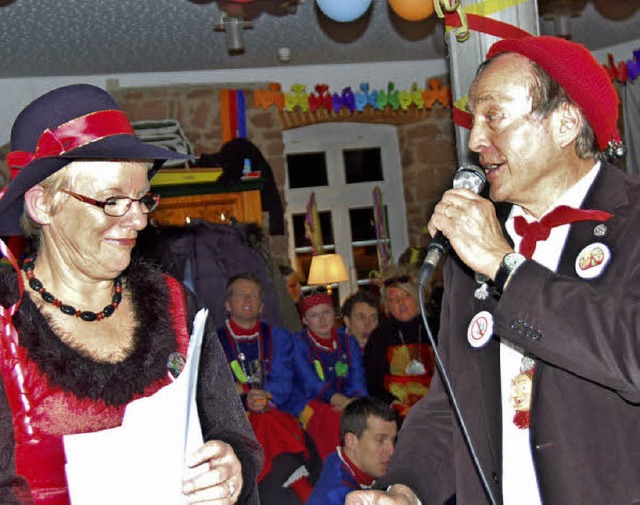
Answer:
[(509, 264)]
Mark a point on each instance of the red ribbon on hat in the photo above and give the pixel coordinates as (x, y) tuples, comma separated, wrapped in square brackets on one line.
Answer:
[(533, 232), (70, 135)]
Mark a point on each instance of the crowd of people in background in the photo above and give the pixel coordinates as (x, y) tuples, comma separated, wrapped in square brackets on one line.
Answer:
[(327, 401)]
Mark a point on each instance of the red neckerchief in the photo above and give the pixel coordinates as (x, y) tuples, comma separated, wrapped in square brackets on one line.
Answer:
[(238, 331), (330, 344), (363, 479), (533, 232)]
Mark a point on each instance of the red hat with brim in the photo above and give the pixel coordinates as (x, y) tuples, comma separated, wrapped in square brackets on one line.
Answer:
[(578, 72), (77, 122)]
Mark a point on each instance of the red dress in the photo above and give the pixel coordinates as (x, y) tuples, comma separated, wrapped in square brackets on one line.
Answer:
[(48, 411)]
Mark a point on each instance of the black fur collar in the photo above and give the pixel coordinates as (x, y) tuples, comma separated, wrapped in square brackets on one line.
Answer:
[(116, 383)]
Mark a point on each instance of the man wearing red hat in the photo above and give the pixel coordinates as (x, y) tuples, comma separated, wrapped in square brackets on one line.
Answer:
[(540, 317)]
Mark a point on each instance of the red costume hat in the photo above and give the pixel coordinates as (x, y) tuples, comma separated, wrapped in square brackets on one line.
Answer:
[(311, 301), (579, 73), (70, 123)]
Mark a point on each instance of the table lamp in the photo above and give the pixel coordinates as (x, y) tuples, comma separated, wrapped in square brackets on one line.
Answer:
[(327, 269)]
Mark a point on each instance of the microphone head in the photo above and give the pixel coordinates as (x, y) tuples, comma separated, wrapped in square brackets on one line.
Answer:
[(470, 177)]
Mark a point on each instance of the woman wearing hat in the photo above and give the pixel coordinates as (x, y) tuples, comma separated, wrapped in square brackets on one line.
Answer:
[(398, 357), (329, 372), (85, 330)]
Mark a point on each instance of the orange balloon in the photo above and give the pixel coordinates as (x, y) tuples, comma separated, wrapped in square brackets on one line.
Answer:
[(412, 10)]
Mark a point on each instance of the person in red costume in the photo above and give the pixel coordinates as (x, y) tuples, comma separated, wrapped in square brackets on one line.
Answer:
[(398, 357), (86, 330)]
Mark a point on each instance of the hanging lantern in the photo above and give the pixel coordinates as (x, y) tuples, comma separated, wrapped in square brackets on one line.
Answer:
[(343, 11), (412, 10)]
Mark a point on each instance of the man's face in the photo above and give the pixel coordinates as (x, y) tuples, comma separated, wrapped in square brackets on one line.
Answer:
[(516, 149), (373, 450), (363, 320), (245, 304)]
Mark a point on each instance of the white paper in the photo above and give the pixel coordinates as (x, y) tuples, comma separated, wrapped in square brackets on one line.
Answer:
[(141, 461)]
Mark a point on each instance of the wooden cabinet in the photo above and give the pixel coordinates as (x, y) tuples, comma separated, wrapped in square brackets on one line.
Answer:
[(244, 206)]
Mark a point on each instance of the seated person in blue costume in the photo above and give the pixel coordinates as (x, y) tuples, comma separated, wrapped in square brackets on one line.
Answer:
[(360, 315), (260, 358), (368, 430), (329, 372)]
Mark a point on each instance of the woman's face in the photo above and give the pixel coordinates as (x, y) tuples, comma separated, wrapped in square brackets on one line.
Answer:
[(400, 304), (80, 236), (320, 320)]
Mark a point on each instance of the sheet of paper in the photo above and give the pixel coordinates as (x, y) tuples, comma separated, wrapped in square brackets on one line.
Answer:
[(141, 461)]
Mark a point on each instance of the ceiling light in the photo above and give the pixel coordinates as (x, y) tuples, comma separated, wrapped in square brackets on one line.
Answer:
[(234, 28)]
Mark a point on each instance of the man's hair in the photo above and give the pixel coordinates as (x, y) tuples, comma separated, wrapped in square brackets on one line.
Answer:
[(546, 96), (357, 297), (247, 276), (356, 414)]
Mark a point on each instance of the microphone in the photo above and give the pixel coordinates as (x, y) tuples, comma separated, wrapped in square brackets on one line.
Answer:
[(468, 177)]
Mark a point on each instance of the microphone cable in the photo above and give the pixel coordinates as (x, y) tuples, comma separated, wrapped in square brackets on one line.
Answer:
[(452, 397)]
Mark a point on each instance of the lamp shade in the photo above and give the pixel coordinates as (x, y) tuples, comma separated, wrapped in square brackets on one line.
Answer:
[(327, 269)]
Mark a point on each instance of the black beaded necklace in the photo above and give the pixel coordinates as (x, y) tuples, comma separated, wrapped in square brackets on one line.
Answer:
[(85, 315)]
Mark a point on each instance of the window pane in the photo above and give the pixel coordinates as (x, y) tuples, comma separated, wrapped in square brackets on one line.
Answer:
[(362, 224), (300, 240), (362, 165), (365, 258), (307, 170)]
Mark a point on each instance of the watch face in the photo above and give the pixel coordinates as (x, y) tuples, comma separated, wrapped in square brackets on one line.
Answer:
[(514, 260)]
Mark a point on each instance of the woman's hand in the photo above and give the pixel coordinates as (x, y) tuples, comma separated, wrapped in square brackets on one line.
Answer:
[(221, 482)]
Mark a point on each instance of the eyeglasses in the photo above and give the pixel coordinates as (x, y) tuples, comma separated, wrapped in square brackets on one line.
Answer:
[(118, 206), (400, 279)]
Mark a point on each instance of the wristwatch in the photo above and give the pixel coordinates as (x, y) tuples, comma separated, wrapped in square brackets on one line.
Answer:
[(509, 264)]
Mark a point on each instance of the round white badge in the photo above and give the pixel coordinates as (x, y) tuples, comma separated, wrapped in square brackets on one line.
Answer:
[(592, 260), (480, 329)]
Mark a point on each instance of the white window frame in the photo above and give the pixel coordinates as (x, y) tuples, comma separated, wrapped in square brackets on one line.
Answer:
[(337, 196)]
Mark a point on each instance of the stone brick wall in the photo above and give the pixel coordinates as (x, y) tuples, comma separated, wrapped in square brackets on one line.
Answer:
[(426, 140), (429, 162), (197, 108)]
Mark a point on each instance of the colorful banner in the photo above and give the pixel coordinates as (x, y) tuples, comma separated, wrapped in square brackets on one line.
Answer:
[(312, 229)]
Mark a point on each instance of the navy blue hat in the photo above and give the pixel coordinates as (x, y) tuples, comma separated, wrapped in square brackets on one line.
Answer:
[(77, 122)]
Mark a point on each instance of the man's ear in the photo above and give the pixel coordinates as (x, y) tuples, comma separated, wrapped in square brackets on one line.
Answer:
[(37, 203), (567, 123), (227, 306), (350, 440)]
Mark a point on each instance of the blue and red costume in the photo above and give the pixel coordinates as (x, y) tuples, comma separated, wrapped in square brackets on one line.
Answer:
[(339, 477), (324, 368), (277, 431)]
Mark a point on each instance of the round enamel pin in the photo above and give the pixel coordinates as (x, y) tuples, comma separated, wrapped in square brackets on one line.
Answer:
[(592, 260), (480, 329)]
